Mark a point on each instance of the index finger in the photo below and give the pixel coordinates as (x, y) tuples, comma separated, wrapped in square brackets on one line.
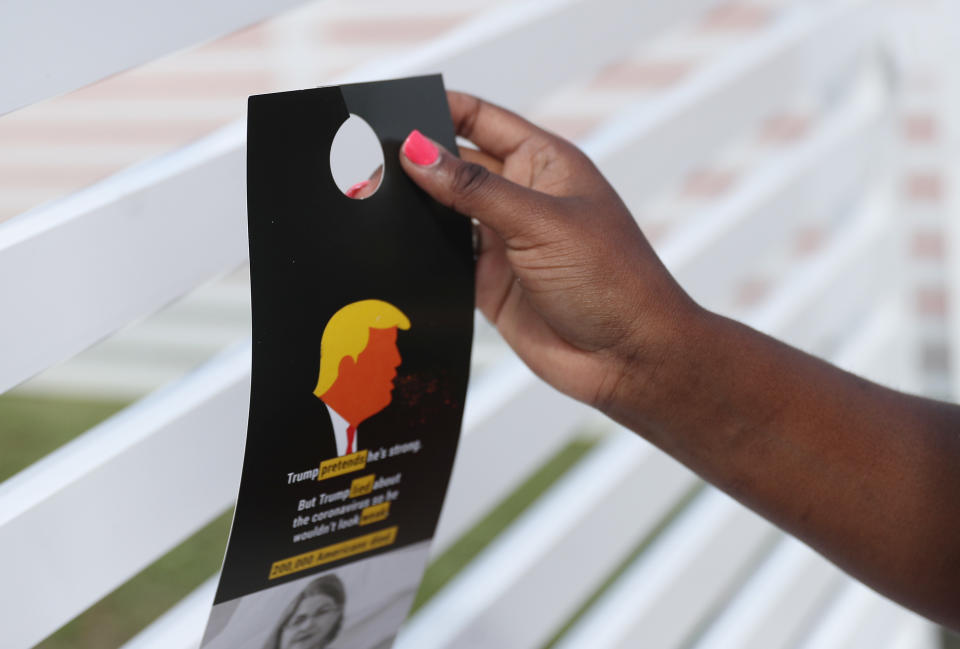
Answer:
[(495, 130)]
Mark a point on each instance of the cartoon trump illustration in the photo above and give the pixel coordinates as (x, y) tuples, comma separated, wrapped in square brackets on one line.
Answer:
[(358, 362)]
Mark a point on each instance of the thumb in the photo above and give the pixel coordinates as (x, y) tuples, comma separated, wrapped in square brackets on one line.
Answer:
[(510, 210)]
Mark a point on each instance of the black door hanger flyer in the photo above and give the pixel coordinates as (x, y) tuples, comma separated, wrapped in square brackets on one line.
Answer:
[(362, 325)]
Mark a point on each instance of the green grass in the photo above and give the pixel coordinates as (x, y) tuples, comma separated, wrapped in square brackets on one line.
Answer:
[(950, 640), (458, 555), (31, 427), (120, 615)]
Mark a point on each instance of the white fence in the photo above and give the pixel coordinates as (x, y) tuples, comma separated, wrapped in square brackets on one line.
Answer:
[(75, 525)]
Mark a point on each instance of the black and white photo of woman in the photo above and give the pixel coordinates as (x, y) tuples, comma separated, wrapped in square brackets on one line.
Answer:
[(360, 605), (313, 619)]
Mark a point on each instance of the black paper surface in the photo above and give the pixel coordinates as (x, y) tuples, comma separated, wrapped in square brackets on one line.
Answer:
[(314, 251)]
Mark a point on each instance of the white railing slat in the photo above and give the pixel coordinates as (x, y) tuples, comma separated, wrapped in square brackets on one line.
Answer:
[(952, 236), (775, 605), (671, 587), (878, 351), (915, 632), (520, 41), (70, 44), (182, 626), (76, 270), (558, 550), (119, 237), (510, 409), (83, 520), (708, 254), (857, 619), (835, 286), (659, 140)]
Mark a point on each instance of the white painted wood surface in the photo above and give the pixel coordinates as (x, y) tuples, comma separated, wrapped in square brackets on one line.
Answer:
[(674, 133), (915, 632), (117, 251), (818, 286), (951, 49), (716, 576), (708, 257), (81, 521), (136, 220), (661, 597), (857, 619), (560, 550), (537, 45), (63, 45), (181, 626), (775, 606), (878, 352)]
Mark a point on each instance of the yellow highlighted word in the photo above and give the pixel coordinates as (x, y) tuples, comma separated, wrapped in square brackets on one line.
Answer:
[(374, 513), (346, 464), (362, 486), (334, 552)]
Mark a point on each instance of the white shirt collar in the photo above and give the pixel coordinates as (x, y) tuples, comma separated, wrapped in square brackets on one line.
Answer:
[(340, 432)]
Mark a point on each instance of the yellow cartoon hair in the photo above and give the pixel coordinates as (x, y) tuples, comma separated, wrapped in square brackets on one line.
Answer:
[(348, 332)]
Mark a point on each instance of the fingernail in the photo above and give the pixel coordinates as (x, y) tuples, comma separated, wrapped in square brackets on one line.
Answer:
[(352, 192), (419, 150)]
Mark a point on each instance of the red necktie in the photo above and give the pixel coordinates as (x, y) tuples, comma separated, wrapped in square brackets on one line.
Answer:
[(351, 433)]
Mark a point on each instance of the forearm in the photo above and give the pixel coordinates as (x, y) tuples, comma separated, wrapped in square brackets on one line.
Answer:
[(868, 476)]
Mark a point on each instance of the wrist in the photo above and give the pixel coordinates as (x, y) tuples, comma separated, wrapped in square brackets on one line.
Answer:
[(656, 363)]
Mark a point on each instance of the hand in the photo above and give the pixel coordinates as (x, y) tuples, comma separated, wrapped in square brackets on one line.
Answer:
[(564, 272), (573, 286)]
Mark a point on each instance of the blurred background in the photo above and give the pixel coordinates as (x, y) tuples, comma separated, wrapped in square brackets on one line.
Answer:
[(904, 162)]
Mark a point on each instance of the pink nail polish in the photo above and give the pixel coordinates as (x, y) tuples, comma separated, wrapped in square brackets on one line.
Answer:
[(419, 150), (352, 192)]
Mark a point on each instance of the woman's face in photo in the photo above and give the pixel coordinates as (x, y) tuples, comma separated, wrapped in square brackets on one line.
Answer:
[(311, 623)]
